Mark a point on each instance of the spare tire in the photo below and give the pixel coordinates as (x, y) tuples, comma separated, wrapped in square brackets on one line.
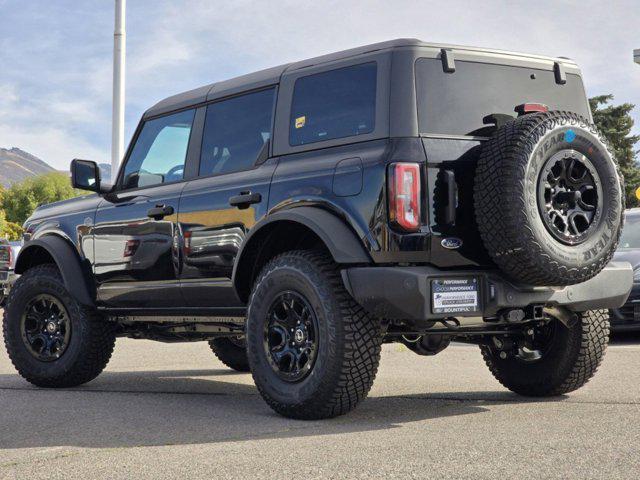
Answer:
[(549, 199)]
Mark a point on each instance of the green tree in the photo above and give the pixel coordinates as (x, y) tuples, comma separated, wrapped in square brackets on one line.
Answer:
[(615, 122), (12, 231), (9, 230), (21, 199)]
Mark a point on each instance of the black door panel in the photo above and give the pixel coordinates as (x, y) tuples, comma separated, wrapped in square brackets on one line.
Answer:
[(217, 210), (214, 230), (134, 254), (451, 167)]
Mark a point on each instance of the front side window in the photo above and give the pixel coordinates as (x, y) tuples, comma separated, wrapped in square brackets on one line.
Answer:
[(235, 132), (335, 104), (159, 153)]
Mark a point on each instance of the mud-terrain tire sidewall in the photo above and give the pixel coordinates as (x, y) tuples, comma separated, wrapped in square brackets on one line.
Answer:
[(576, 354), (230, 354), (90, 344), (349, 341), (602, 242), (509, 216)]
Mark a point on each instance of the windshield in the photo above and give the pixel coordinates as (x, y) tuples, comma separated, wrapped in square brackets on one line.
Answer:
[(630, 233), (455, 103)]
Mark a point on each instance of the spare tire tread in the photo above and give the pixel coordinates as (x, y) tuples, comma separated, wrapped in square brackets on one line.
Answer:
[(501, 183)]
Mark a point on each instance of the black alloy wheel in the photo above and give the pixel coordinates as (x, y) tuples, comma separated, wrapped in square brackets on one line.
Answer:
[(556, 359), (52, 339), (549, 199), (291, 336), (569, 192), (45, 327), (313, 351)]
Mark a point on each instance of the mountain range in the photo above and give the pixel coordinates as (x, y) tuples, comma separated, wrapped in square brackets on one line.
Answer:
[(17, 165)]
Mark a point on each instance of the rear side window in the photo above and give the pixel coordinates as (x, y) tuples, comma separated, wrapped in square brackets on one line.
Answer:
[(455, 103), (335, 104), (235, 132)]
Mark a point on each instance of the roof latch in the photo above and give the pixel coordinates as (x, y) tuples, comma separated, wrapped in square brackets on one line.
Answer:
[(448, 62), (560, 74)]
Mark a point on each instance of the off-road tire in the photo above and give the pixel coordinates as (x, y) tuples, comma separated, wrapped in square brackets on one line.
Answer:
[(90, 346), (232, 355), (349, 339), (507, 209), (574, 360)]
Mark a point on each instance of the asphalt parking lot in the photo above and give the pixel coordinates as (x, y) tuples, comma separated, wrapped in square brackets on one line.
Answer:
[(174, 411)]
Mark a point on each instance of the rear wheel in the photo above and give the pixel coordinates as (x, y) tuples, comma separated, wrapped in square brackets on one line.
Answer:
[(232, 351), (52, 340), (558, 360), (314, 352)]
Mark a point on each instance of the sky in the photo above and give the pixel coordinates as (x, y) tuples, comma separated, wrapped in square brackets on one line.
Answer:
[(56, 56)]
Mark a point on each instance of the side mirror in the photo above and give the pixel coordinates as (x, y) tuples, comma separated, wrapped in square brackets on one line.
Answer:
[(85, 175)]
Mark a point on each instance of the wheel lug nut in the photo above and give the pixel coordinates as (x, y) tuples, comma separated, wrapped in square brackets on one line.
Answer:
[(503, 355)]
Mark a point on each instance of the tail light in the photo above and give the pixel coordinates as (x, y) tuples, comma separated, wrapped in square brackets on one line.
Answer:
[(404, 195)]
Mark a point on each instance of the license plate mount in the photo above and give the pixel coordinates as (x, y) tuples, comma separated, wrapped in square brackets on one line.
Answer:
[(451, 296)]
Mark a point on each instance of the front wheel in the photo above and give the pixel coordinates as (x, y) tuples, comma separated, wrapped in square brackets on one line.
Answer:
[(313, 351), (52, 340), (559, 360)]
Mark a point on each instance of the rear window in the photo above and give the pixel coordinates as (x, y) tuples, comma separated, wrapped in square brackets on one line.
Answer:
[(455, 103), (335, 104)]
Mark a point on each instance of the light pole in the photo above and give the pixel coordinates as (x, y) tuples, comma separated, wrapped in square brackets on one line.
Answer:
[(119, 49)]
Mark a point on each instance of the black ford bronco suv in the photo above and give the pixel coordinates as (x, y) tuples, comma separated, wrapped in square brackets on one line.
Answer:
[(299, 217)]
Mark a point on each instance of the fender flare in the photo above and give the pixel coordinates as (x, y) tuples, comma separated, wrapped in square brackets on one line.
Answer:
[(342, 242), (68, 262)]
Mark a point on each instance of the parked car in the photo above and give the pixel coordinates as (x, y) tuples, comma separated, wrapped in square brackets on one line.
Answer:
[(298, 217), (627, 317), (8, 255)]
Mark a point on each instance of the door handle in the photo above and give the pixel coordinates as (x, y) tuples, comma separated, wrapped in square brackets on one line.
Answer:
[(160, 211), (245, 199)]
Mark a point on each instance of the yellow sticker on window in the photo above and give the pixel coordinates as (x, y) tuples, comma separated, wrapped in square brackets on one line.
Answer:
[(300, 121)]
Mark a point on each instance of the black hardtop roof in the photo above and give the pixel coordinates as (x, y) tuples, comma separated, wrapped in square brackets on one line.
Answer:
[(271, 76)]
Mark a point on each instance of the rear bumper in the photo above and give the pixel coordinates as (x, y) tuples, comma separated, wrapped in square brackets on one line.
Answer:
[(405, 292), (627, 317)]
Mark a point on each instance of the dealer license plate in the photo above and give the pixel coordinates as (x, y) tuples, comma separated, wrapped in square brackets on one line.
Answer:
[(454, 295)]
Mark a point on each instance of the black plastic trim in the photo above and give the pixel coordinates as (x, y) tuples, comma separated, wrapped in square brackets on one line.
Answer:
[(75, 278), (559, 73), (448, 61), (405, 292), (341, 241)]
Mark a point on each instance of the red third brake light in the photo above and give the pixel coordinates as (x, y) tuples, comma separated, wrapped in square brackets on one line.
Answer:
[(525, 108), (404, 195)]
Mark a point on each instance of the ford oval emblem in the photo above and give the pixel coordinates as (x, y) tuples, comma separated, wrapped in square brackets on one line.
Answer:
[(451, 243)]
